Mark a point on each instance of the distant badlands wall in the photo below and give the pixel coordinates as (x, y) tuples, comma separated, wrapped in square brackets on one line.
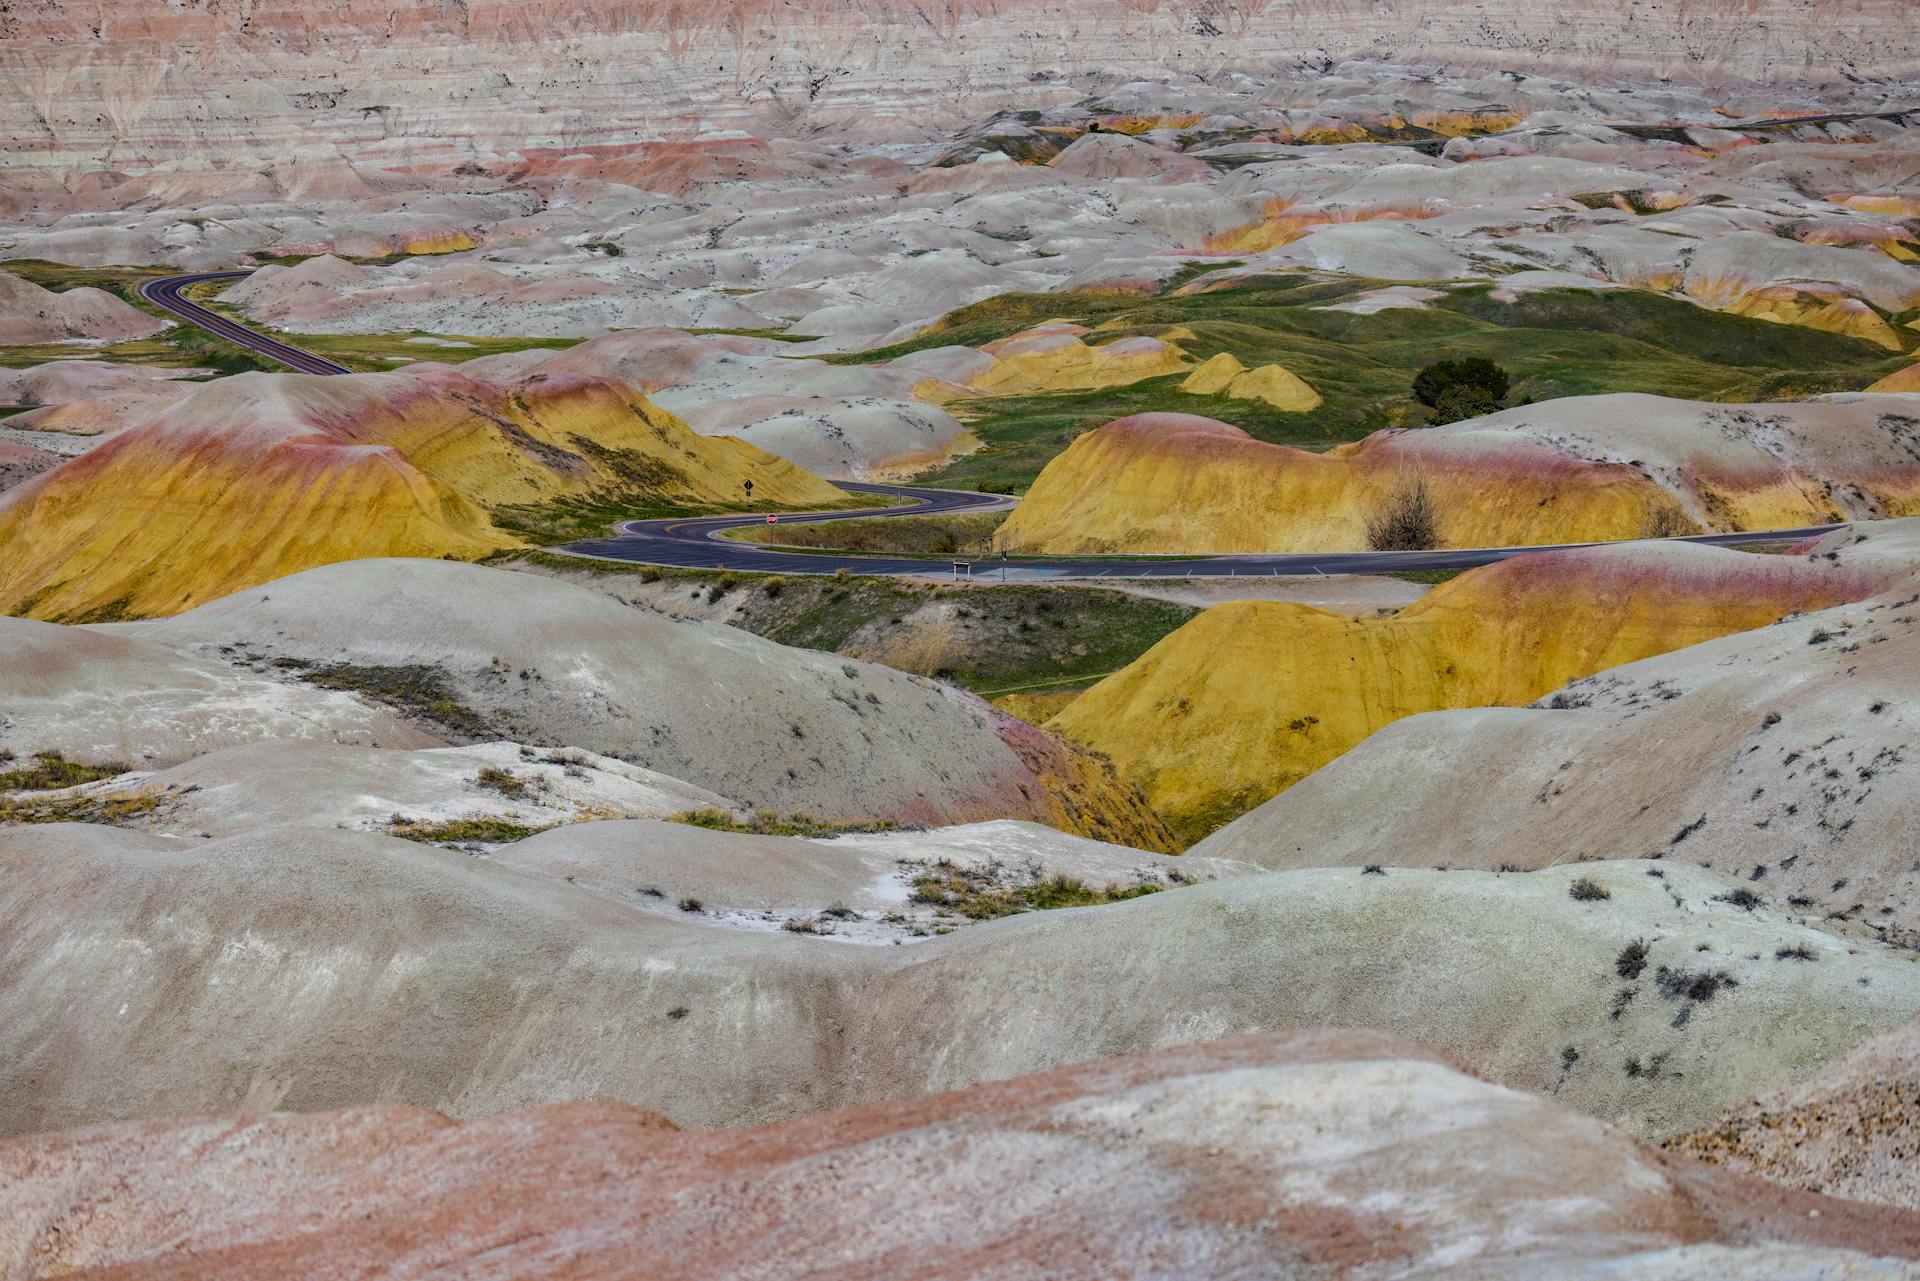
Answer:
[(125, 82)]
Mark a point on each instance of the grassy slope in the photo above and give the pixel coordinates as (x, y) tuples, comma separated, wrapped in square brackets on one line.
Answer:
[(1556, 343), (1018, 636)]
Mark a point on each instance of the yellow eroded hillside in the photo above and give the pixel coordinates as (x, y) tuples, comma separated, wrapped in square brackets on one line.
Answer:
[(1249, 697), (258, 476), (1574, 470), (1181, 483)]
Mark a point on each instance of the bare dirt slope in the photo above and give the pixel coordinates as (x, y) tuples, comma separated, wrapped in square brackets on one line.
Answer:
[(475, 654), (316, 969), (1259, 1157), (1851, 1130)]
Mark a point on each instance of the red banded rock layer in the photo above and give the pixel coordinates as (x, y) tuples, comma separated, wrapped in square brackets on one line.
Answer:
[(419, 85), (1318, 1148)]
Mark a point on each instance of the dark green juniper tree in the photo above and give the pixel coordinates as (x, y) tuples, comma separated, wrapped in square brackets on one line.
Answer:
[(1456, 389)]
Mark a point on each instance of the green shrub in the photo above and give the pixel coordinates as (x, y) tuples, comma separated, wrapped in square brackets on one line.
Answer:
[(1457, 389)]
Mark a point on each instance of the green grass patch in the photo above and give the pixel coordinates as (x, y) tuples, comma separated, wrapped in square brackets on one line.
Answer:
[(1020, 636), (1427, 576), (1561, 342), (59, 277), (569, 520)]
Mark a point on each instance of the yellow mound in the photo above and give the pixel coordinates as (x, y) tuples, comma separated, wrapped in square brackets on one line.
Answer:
[(1278, 387), (1249, 697), (1177, 482), (259, 476), (1271, 384), (1907, 379), (1213, 375), (1783, 304), (1054, 358), (1582, 469)]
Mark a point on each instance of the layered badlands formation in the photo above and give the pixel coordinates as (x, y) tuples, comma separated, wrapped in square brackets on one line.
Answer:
[(252, 935), (421, 86), (1311, 1153), (1250, 697), (1579, 469), (1778, 755), (1542, 182), (260, 475)]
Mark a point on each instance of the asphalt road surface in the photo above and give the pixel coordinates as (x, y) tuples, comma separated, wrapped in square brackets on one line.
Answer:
[(694, 542), (166, 293)]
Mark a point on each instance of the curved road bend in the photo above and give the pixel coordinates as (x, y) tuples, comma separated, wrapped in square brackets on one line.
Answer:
[(166, 293), (694, 542)]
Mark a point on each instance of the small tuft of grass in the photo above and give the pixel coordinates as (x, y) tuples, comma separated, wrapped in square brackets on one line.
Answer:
[(505, 782), (486, 830), (768, 823), (1798, 952), (691, 904), (1743, 898), (1588, 891)]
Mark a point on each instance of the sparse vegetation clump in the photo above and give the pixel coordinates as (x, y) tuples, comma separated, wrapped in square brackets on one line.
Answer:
[(486, 830), (905, 535), (1408, 520), (417, 689), (768, 823), (505, 782), (50, 771), (1666, 520), (1632, 960), (989, 891), (119, 809), (1585, 890), (1691, 985)]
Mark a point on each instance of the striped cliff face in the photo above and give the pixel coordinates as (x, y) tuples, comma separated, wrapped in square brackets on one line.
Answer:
[(261, 475), (373, 82), (1249, 697)]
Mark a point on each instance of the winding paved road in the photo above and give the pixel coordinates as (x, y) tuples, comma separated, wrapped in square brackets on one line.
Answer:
[(695, 542), (166, 293)]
